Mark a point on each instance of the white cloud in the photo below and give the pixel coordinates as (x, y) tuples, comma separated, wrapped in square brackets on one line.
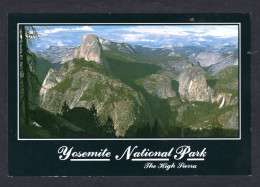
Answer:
[(167, 46), (197, 43), (222, 31), (61, 29), (147, 40), (50, 31), (133, 37), (173, 45), (85, 28), (147, 46), (162, 30), (201, 39), (59, 43), (136, 38)]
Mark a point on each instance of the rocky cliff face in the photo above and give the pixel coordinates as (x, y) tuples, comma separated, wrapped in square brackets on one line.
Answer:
[(119, 47), (229, 59), (193, 85), (215, 62), (158, 85), (91, 50), (206, 59), (83, 83), (224, 99)]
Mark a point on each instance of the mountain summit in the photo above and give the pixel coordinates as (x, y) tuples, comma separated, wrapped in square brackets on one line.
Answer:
[(91, 50)]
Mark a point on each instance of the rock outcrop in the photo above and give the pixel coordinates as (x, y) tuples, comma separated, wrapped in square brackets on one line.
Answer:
[(119, 47), (224, 99), (193, 85), (91, 50), (215, 62), (206, 59), (82, 83), (228, 61), (158, 85)]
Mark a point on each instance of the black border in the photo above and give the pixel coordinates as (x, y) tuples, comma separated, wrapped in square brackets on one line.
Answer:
[(225, 157), (127, 6)]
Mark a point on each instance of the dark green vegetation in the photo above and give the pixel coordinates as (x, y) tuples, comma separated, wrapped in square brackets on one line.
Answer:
[(79, 64), (225, 81), (145, 55), (145, 130), (192, 126), (78, 122), (212, 82), (64, 85), (27, 78), (128, 72), (199, 120), (82, 63), (203, 115), (41, 68), (88, 120), (179, 132), (175, 86)]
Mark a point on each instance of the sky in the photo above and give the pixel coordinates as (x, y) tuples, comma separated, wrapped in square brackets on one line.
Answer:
[(145, 35)]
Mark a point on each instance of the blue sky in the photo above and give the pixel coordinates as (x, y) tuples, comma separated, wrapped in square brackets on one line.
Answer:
[(146, 35)]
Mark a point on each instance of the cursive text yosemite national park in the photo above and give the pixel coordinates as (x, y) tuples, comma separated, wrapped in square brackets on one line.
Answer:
[(128, 81)]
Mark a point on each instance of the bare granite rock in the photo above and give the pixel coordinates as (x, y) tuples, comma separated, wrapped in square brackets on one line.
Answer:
[(91, 50), (193, 85)]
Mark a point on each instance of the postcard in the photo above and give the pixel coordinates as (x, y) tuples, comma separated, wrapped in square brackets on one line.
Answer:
[(129, 95)]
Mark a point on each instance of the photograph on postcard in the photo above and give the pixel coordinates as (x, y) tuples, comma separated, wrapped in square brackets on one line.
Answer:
[(128, 81)]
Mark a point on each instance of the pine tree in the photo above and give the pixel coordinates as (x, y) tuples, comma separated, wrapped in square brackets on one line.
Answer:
[(64, 109), (108, 127), (147, 130), (27, 77), (155, 129), (138, 133), (93, 110)]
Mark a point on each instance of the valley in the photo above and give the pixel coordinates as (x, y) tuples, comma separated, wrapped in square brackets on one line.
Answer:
[(134, 91)]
